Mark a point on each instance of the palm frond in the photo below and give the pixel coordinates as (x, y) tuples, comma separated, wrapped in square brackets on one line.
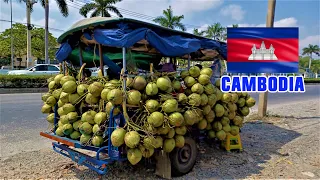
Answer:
[(95, 13), (84, 10), (63, 7), (115, 10)]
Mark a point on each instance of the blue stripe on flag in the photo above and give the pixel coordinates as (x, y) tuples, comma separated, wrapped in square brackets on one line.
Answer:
[(262, 67), (263, 32)]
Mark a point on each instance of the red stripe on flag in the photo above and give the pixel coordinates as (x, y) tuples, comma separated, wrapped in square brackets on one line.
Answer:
[(286, 50)]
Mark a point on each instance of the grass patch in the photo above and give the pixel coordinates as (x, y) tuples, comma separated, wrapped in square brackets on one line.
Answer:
[(269, 117), (312, 80)]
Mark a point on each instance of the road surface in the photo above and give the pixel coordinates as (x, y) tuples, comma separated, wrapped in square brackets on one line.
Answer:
[(21, 118)]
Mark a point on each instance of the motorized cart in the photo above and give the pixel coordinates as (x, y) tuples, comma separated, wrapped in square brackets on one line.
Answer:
[(111, 42)]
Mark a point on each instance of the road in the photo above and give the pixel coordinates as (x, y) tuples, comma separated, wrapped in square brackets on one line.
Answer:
[(21, 118)]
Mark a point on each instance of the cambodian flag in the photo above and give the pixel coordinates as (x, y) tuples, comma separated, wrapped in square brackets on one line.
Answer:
[(263, 50)]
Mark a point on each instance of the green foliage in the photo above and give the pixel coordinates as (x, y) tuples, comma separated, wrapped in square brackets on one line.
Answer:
[(312, 80), (23, 81), (20, 42), (168, 20), (5, 61), (100, 8), (304, 63)]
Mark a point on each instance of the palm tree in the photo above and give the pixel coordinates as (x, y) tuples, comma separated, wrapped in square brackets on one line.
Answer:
[(100, 8), (169, 20), (197, 32), (310, 50), (235, 25), (216, 32)]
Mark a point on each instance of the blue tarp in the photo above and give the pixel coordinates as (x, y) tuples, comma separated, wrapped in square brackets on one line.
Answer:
[(171, 46)]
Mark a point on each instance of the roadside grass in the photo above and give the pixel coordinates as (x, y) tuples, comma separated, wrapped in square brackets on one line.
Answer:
[(312, 80), (270, 117), (23, 81)]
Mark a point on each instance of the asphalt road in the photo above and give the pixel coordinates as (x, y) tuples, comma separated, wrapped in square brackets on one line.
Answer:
[(21, 119)]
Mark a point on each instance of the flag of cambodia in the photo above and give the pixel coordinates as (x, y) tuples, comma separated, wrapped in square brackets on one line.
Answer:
[(263, 50)]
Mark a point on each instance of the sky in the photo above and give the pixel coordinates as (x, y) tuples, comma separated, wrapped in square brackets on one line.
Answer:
[(304, 14)]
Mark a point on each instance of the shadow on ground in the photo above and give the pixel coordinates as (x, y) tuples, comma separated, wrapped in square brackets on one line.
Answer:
[(260, 141)]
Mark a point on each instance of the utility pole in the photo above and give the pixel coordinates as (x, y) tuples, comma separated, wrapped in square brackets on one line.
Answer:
[(263, 97), (12, 60), (28, 4), (46, 53)]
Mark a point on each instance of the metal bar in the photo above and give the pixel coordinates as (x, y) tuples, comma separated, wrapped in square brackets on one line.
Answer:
[(124, 62), (46, 39), (81, 60), (263, 97), (101, 59), (57, 139), (189, 61), (55, 122)]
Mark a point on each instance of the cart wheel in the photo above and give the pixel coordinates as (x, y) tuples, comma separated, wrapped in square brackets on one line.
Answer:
[(183, 159)]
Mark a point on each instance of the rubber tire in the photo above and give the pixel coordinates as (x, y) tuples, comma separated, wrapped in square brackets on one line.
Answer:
[(178, 169)]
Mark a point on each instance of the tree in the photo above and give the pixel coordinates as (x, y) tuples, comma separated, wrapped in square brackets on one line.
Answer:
[(235, 25), (216, 32), (197, 32), (100, 8), (168, 20), (311, 49), (19, 32)]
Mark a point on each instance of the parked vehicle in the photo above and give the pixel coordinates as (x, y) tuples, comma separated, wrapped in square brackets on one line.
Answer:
[(39, 69)]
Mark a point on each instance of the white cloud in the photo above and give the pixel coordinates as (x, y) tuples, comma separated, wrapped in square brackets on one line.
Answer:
[(189, 6), (201, 28), (286, 22), (235, 11), (313, 39)]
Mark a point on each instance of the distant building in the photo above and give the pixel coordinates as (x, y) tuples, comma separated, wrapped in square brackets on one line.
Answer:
[(263, 53)]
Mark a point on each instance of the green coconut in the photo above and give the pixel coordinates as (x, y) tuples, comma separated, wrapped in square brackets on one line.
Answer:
[(139, 83), (90, 99), (76, 125), (209, 127), (232, 107), (211, 134), (64, 97), (152, 105), (158, 142), (169, 90), (133, 97), (73, 98), (219, 94), (85, 128), (45, 97), (171, 133), (176, 119), (163, 83), (204, 99), (61, 112), (202, 124), (237, 120), (217, 83), (234, 130), (163, 130), (182, 98), (250, 102), (182, 130), (189, 117), (116, 110), (46, 109), (187, 92), (115, 96), (85, 138), (232, 115), (197, 88), (50, 79), (51, 101), (149, 142), (206, 71), (64, 119), (50, 118), (204, 79), (179, 141), (134, 156), (146, 153), (221, 135), (69, 87), (60, 103), (129, 82), (67, 129), (96, 130), (206, 109), (210, 116), (199, 115), (241, 102), (56, 93), (132, 139), (194, 71), (97, 141), (100, 118), (217, 126), (155, 119), (88, 116), (189, 81), (170, 105), (57, 78), (226, 128), (60, 124), (234, 97), (245, 111), (64, 79), (95, 89), (219, 110), (226, 97), (244, 94), (169, 145), (75, 135), (104, 94), (59, 131), (209, 89), (184, 73), (52, 85), (72, 117), (82, 89), (224, 121), (194, 99), (176, 85), (67, 108), (152, 89), (117, 137)]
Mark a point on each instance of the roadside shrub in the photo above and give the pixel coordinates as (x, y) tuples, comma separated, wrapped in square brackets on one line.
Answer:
[(23, 81)]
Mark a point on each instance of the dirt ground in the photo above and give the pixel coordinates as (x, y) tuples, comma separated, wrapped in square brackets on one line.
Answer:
[(284, 145)]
